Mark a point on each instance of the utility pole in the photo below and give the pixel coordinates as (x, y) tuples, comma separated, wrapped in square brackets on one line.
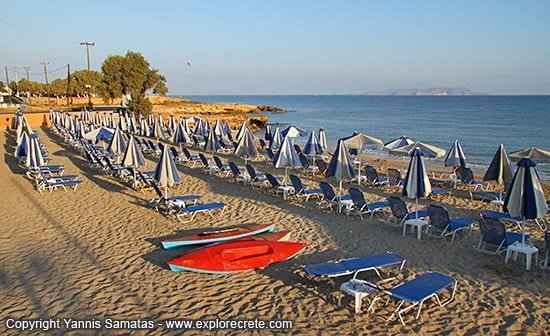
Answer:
[(45, 64), (7, 77), (68, 83), (16, 80), (87, 44), (27, 68)]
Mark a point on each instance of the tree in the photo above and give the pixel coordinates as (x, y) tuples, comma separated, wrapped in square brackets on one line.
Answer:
[(81, 78), (58, 87), (131, 74)]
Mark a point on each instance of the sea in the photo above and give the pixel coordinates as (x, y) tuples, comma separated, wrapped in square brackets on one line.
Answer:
[(480, 123)]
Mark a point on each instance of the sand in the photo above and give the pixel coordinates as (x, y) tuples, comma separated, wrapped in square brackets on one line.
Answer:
[(95, 253)]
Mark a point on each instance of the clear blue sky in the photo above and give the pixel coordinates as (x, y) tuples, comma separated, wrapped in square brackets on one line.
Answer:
[(295, 47)]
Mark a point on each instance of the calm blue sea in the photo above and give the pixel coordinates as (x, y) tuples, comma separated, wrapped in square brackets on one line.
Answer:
[(480, 123)]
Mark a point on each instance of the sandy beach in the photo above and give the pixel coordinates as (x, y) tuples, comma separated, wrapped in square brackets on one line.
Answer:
[(95, 253)]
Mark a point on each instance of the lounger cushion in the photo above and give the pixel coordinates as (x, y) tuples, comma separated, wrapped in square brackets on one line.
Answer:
[(512, 237), (439, 192), (203, 207), (313, 192), (350, 266), (378, 205), (422, 287), (421, 214), (459, 223)]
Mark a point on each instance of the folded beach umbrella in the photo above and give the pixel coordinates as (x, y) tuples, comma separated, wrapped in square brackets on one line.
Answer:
[(34, 158), (540, 156), (166, 173), (100, 134), (398, 143), (133, 157), (267, 134), (499, 169), (429, 151), (312, 146), (526, 198), (417, 184), (276, 140), (198, 128), (294, 131), (22, 149), (227, 129), (186, 126), (362, 141), (341, 165), (112, 123), (160, 121), (242, 130), (455, 157), (323, 139), (180, 136), (122, 122), (246, 147), (144, 128), (212, 144), (219, 129), (172, 124), (118, 143), (286, 156)]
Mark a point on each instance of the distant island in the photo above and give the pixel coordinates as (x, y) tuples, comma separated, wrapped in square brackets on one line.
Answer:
[(435, 91)]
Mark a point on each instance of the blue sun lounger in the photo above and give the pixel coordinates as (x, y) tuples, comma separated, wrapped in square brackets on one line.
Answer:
[(415, 292), (52, 184), (354, 266), (193, 210)]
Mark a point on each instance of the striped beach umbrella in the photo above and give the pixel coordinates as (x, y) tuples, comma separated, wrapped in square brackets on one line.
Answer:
[(133, 157), (398, 143), (180, 136), (118, 143), (242, 131), (455, 157), (294, 131), (499, 169), (312, 146), (166, 173), (34, 158), (341, 165), (417, 184), (526, 198), (540, 156), (362, 141), (276, 140), (100, 134), (227, 129), (212, 144), (219, 130), (429, 151), (268, 133), (144, 127), (286, 157), (246, 147), (22, 149), (323, 139)]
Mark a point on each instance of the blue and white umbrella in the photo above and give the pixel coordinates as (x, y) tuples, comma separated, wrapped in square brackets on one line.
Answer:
[(276, 140), (428, 150), (212, 144), (286, 156), (35, 158), (540, 156), (133, 157), (360, 142), (118, 143), (268, 133), (341, 165), (181, 136), (22, 149), (398, 143), (100, 134), (246, 147), (455, 157), (312, 146), (499, 169), (227, 130), (417, 184), (526, 198), (294, 131), (166, 172), (323, 139), (219, 130), (144, 128), (242, 130)]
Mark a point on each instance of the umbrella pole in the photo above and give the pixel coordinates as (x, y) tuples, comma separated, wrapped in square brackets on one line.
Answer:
[(523, 232), (359, 173), (340, 197), (417, 207)]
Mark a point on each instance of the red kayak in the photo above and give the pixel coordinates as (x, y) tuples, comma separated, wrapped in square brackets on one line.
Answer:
[(215, 236), (235, 256)]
